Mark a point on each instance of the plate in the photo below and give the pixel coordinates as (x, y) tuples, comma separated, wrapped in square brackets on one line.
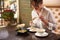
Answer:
[(41, 34), (29, 28), (32, 30), (56, 32), (2, 26)]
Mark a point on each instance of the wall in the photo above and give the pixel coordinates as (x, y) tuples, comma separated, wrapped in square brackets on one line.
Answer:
[(25, 11), (51, 2), (56, 13)]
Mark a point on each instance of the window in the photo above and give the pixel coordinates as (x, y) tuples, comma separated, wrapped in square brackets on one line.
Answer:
[(1, 9)]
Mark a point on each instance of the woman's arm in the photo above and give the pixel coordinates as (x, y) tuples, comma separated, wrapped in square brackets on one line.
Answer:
[(51, 20)]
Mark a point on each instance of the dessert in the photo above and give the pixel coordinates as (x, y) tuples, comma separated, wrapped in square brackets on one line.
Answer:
[(22, 31)]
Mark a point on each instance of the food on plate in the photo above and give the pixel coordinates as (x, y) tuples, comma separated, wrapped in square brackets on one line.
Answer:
[(20, 25), (22, 31)]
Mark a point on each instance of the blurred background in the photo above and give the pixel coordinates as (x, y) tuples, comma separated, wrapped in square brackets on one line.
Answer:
[(23, 9)]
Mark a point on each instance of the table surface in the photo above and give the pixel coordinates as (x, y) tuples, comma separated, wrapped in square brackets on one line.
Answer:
[(28, 36)]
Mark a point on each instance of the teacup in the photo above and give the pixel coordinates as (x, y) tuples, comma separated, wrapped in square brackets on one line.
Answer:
[(40, 30)]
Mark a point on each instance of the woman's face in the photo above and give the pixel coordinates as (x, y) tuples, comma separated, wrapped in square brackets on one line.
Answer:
[(40, 6)]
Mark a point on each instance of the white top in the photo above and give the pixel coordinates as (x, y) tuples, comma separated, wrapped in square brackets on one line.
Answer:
[(48, 15)]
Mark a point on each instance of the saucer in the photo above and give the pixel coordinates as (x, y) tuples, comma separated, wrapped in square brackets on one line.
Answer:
[(56, 32), (32, 30), (41, 34), (29, 28)]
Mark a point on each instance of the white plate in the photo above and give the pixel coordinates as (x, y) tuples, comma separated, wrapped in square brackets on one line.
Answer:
[(56, 32), (2, 26), (42, 34), (32, 30), (29, 28)]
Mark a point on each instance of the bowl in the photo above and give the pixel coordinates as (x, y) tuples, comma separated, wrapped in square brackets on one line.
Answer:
[(22, 31)]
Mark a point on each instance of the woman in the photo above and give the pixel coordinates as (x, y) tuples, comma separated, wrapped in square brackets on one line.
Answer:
[(41, 13)]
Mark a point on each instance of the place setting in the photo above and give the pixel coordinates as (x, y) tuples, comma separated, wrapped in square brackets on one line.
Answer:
[(32, 29), (41, 33), (21, 29), (38, 31)]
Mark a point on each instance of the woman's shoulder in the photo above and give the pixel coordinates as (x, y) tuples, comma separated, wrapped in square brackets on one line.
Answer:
[(47, 9)]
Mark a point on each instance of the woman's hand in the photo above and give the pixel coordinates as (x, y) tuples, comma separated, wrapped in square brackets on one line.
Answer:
[(43, 19), (31, 23)]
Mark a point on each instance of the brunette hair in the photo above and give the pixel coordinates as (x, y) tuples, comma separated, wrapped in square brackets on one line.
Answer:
[(35, 3)]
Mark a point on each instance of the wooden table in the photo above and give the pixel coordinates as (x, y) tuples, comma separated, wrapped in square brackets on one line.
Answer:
[(29, 35)]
